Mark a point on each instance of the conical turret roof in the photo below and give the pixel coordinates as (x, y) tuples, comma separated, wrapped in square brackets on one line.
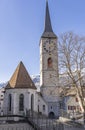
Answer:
[(20, 79)]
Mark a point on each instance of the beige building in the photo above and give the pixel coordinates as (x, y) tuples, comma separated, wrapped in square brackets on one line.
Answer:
[(72, 103)]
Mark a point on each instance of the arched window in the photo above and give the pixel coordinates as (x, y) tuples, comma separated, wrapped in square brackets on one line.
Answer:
[(10, 102), (43, 107), (38, 108), (49, 62), (32, 102), (21, 102)]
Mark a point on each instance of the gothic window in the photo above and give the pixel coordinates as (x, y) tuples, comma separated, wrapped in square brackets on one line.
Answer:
[(21, 102), (49, 62), (43, 107), (32, 102), (10, 102), (51, 107), (61, 105), (38, 108)]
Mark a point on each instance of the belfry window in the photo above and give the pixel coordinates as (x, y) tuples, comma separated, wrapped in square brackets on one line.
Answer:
[(49, 62), (21, 102), (10, 102)]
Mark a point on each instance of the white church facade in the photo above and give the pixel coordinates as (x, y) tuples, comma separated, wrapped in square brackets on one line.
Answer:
[(21, 94)]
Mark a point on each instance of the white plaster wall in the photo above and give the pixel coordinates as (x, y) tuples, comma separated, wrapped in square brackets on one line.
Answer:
[(54, 107), (72, 102), (42, 102), (15, 100)]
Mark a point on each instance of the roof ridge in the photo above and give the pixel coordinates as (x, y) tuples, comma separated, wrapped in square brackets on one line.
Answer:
[(18, 71)]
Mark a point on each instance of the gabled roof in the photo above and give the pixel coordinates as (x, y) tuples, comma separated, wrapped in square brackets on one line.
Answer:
[(48, 31), (20, 79)]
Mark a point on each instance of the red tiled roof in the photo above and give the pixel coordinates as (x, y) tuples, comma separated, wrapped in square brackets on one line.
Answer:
[(20, 79)]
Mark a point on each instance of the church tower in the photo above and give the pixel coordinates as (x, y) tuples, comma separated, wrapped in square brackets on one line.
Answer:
[(49, 65)]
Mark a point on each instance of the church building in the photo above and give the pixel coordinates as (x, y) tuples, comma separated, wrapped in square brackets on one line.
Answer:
[(21, 94)]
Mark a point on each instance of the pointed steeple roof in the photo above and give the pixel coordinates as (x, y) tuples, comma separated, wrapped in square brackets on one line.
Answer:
[(48, 26), (20, 79), (48, 31)]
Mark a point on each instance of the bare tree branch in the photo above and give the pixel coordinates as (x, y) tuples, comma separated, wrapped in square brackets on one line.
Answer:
[(72, 59)]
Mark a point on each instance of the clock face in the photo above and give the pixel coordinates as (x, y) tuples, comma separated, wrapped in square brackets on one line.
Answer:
[(49, 45)]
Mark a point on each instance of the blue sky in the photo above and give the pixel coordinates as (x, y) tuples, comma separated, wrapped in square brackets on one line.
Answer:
[(22, 23)]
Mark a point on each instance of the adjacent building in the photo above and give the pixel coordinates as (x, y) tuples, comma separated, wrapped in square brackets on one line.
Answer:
[(72, 103), (2, 91)]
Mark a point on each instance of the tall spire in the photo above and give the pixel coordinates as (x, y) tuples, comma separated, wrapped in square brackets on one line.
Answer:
[(48, 26), (48, 31)]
